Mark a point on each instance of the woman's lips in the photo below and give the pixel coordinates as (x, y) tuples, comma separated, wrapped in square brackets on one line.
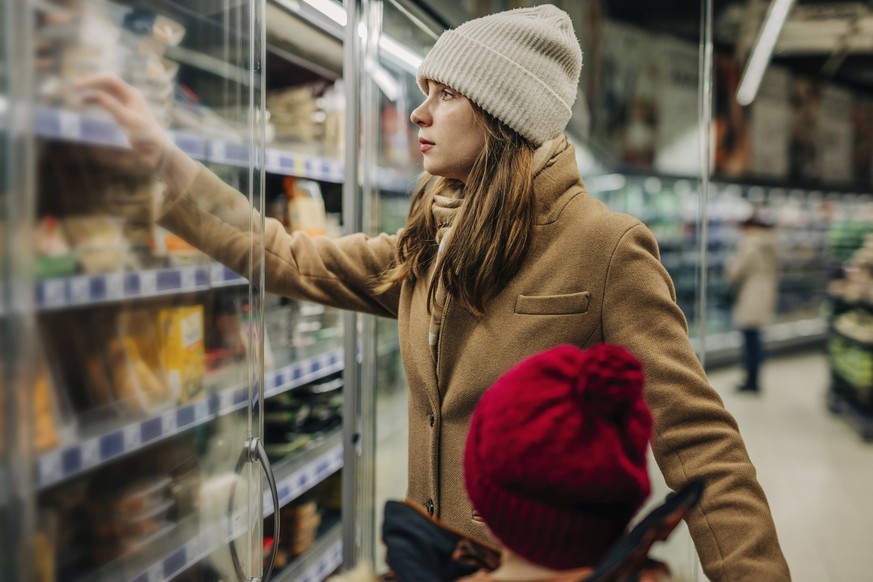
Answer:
[(425, 144)]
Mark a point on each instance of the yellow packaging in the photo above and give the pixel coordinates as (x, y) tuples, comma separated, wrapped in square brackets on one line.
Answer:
[(182, 350)]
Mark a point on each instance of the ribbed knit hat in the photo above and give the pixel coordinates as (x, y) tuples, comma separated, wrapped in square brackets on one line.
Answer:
[(555, 460), (522, 66)]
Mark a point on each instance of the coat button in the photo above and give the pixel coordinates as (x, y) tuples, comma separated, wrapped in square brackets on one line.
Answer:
[(429, 507), (430, 418)]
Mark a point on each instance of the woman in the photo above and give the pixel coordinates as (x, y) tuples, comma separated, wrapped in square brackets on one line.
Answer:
[(753, 272), (504, 255)]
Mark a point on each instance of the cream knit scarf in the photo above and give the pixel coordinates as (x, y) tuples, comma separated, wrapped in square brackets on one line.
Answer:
[(445, 210)]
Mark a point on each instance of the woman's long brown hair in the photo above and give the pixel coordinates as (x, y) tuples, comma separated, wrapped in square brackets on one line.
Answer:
[(492, 233)]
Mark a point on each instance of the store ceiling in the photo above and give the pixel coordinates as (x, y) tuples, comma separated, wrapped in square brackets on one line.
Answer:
[(832, 40)]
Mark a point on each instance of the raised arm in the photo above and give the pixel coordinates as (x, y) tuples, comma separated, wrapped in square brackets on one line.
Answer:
[(221, 222), (146, 136)]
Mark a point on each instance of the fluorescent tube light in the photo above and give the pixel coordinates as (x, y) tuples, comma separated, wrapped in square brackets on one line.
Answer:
[(400, 52), (763, 50), (389, 85), (331, 9)]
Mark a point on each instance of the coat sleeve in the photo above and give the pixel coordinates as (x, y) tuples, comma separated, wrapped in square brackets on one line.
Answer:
[(694, 436), (342, 272)]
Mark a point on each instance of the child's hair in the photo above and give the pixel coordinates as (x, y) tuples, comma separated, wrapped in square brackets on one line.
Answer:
[(495, 223)]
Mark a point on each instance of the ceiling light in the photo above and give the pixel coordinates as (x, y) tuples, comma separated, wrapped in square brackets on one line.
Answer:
[(400, 52), (763, 50), (331, 9)]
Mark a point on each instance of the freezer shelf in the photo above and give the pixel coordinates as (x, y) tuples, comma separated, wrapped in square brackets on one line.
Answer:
[(184, 546), (86, 290), (95, 129), (61, 464), (99, 130), (302, 472)]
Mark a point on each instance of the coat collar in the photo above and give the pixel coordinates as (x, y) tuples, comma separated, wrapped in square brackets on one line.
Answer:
[(555, 172)]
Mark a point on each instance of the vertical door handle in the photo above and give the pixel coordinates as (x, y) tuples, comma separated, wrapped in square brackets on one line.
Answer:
[(254, 451)]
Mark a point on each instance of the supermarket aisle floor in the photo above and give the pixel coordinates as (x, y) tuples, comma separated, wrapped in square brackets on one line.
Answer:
[(815, 469)]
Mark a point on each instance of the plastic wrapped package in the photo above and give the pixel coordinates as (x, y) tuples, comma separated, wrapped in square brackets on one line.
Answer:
[(138, 378), (155, 27), (77, 41), (299, 524), (155, 77), (136, 525), (292, 113), (306, 210), (54, 258), (181, 351), (53, 420), (128, 522), (98, 241)]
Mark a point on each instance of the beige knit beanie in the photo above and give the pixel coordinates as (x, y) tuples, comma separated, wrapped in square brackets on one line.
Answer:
[(522, 66)]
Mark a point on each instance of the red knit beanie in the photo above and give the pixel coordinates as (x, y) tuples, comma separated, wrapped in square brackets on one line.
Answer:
[(555, 461)]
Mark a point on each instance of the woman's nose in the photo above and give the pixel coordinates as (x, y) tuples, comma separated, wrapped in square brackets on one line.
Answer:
[(419, 116)]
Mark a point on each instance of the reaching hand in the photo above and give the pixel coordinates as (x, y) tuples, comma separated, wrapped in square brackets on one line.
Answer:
[(131, 111)]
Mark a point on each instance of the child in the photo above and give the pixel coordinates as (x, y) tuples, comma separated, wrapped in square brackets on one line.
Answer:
[(555, 461), (554, 464)]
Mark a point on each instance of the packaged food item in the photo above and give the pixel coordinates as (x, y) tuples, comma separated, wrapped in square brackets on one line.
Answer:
[(305, 206), (54, 258), (299, 524), (45, 432), (140, 497), (293, 113), (138, 378), (136, 383), (53, 420), (182, 350), (98, 241), (157, 27)]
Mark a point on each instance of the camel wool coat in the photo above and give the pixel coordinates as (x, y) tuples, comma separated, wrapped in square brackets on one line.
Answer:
[(591, 275)]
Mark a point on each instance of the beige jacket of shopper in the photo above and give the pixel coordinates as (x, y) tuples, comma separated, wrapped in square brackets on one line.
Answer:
[(591, 275), (753, 272)]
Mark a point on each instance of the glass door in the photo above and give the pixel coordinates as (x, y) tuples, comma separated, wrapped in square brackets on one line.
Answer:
[(16, 158), (138, 441), (398, 36)]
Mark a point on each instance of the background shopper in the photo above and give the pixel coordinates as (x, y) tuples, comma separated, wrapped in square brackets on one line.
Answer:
[(752, 272), (479, 278)]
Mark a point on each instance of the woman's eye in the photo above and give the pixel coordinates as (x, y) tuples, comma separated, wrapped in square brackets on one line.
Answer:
[(446, 95)]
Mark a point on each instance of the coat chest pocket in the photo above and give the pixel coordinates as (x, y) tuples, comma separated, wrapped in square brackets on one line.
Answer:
[(552, 304)]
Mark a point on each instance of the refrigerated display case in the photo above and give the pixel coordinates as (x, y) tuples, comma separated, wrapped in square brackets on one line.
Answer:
[(150, 379)]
